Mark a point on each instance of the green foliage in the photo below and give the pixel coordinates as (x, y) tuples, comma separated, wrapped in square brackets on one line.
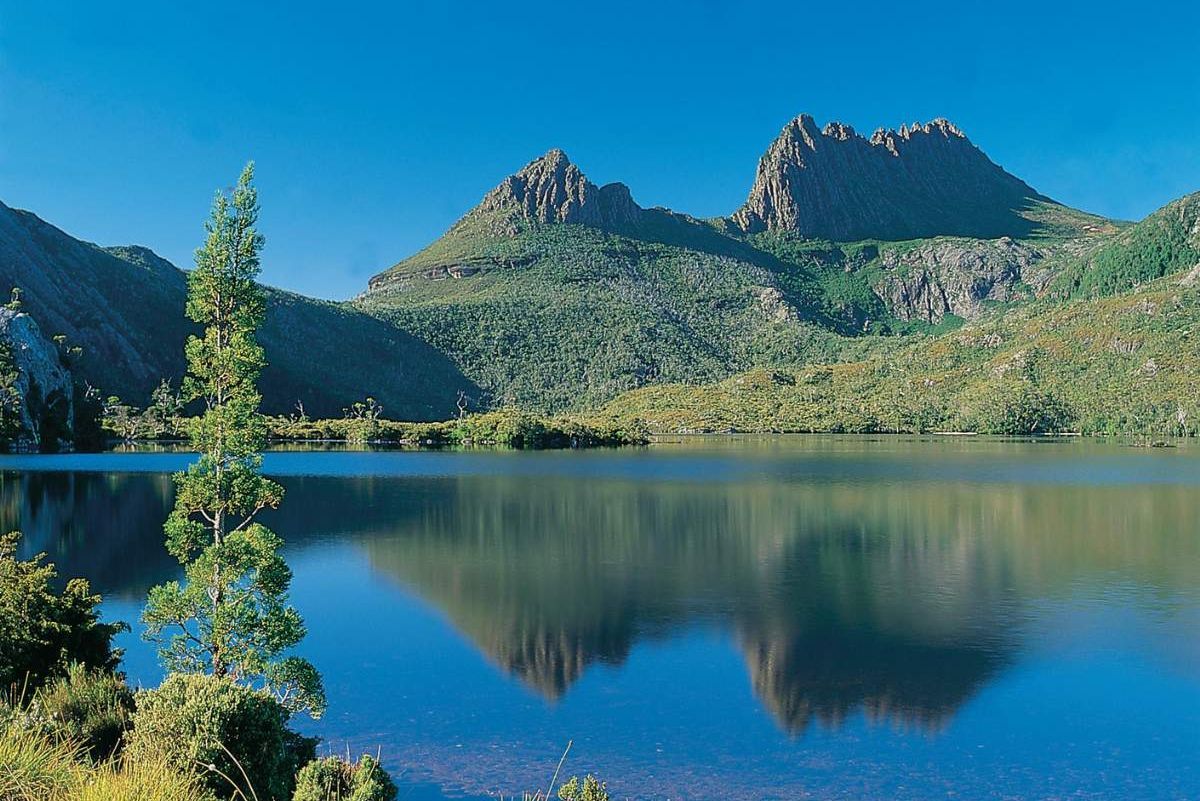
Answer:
[(162, 417), (43, 631), (230, 616), (334, 779), (1015, 406), (1164, 243), (235, 737), (505, 428), (590, 789), (514, 429), (122, 420), (509, 428), (1118, 365), (10, 396), (363, 421), (87, 707)]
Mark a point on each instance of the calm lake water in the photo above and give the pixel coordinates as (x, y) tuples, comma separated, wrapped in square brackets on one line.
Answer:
[(789, 618)]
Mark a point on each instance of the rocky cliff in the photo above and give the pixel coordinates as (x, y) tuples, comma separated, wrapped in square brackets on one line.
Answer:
[(44, 387), (919, 181), (551, 189), (959, 277)]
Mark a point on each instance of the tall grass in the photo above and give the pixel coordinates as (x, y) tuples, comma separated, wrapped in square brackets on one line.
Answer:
[(144, 781), (37, 767)]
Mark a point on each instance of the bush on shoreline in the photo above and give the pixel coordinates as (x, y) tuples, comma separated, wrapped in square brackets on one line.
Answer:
[(42, 632), (505, 428)]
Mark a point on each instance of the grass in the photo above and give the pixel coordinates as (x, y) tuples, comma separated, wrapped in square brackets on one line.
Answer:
[(141, 781), (36, 766)]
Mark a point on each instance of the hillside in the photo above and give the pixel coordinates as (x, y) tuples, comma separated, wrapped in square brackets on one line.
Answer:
[(1105, 362), (1166, 242), (124, 307), (555, 293)]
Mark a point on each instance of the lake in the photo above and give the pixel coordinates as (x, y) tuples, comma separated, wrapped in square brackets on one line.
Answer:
[(740, 618)]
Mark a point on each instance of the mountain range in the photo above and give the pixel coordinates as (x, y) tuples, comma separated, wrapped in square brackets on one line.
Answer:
[(555, 294)]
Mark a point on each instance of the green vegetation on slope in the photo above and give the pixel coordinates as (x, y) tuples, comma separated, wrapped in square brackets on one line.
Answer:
[(124, 307), (1166, 242), (556, 316), (1123, 364), (587, 315)]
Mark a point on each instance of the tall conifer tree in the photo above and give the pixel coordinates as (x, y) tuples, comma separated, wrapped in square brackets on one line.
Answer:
[(230, 616)]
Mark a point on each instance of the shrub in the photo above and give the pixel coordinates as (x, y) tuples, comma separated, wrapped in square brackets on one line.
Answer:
[(92, 708), (335, 779), (1017, 407), (590, 789), (505, 427), (35, 766), (233, 735), (43, 631)]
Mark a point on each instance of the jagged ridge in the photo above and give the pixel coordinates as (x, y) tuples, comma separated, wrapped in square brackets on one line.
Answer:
[(550, 189), (920, 181)]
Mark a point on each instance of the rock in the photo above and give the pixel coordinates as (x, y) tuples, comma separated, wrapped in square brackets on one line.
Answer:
[(551, 189), (774, 305), (949, 276), (920, 181), (47, 408), (1192, 277)]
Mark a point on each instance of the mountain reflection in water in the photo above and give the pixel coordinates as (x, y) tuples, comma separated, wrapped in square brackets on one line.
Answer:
[(893, 599)]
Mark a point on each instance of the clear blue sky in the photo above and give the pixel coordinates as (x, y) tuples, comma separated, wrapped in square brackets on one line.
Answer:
[(374, 128)]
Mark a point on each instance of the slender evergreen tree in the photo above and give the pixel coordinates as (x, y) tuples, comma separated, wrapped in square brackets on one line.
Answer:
[(230, 616)]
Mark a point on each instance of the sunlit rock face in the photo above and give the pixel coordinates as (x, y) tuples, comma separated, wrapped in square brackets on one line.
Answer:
[(918, 181), (959, 277), (551, 189), (44, 386)]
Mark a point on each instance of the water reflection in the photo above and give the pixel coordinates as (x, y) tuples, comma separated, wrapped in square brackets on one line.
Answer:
[(900, 600)]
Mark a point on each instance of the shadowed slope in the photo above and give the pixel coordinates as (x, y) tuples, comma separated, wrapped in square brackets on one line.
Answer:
[(125, 307)]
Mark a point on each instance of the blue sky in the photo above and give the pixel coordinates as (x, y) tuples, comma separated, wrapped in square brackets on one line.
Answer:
[(375, 127)]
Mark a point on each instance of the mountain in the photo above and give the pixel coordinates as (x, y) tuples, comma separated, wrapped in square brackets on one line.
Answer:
[(855, 267), (554, 293), (552, 190), (920, 181), (125, 307)]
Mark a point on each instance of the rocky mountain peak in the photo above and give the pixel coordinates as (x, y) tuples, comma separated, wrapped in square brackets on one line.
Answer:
[(550, 189), (924, 179)]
